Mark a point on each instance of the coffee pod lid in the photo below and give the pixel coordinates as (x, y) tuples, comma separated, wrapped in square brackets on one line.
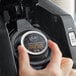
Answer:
[(34, 42)]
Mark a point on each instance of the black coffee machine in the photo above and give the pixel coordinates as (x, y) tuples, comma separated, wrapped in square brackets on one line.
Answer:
[(44, 20)]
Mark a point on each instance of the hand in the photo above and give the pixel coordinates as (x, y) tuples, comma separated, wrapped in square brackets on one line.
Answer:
[(58, 66)]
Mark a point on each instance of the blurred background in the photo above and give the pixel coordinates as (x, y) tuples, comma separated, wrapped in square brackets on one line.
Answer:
[(67, 5), (75, 9)]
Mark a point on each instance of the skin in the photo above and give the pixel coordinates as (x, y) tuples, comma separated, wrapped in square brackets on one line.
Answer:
[(58, 65)]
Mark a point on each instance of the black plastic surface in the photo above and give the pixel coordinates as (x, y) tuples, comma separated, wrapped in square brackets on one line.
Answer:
[(7, 63)]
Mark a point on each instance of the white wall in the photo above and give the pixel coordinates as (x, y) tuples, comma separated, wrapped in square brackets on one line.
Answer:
[(66, 5)]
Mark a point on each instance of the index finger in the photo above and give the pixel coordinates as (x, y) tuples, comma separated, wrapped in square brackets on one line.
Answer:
[(56, 55)]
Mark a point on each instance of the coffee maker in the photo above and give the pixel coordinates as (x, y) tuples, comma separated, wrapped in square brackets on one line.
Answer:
[(40, 17)]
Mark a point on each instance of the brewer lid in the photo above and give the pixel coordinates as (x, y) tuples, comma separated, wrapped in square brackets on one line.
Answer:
[(34, 42)]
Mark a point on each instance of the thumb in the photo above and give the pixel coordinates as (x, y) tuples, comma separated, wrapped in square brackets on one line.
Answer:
[(23, 58)]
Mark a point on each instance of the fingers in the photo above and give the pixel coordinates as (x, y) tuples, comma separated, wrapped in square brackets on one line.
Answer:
[(56, 55), (23, 57), (73, 72), (66, 65)]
